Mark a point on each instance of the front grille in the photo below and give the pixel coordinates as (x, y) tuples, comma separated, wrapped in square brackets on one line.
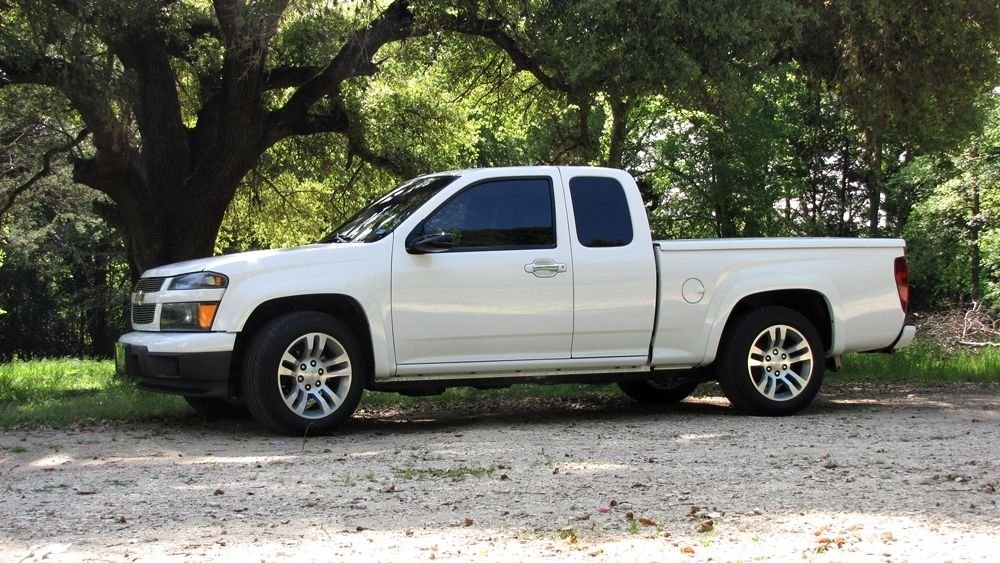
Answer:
[(143, 314), (149, 285)]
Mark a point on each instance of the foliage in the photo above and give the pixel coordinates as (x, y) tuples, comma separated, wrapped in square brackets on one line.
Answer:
[(954, 228), (63, 279), (232, 125), (915, 72), (62, 268)]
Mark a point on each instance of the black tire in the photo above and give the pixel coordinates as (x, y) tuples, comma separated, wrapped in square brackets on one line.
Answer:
[(215, 408), (780, 380), (649, 391), (319, 390)]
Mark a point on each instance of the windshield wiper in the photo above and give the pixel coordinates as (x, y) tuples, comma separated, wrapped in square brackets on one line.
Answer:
[(336, 237)]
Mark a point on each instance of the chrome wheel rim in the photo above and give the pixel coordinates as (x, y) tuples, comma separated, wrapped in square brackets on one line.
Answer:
[(780, 363), (314, 375)]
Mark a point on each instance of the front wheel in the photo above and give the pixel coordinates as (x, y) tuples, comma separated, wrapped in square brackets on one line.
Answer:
[(771, 362), (303, 374)]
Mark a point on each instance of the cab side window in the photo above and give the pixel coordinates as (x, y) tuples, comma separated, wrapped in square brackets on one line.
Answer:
[(601, 212), (499, 215)]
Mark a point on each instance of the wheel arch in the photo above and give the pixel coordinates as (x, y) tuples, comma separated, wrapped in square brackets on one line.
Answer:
[(811, 304), (343, 307)]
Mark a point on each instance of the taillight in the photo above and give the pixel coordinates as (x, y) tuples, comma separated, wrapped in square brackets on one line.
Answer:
[(902, 283)]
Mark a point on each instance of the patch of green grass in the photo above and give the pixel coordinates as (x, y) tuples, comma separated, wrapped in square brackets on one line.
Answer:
[(14, 449), (633, 526), (923, 362), (62, 392), (453, 473)]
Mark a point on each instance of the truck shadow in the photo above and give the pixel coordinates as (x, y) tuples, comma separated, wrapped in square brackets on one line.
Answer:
[(621, 410), (421, 417)]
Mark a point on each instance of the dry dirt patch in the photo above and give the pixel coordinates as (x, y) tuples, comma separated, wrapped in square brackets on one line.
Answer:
[(865, 474)]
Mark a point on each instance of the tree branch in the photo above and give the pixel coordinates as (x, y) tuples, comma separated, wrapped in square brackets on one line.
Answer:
[(492, 30), (43, 71), (288, 76), (45, 171), (354, 59), (110, 135)]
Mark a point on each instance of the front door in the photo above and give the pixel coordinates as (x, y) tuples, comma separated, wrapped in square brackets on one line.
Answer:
[(503, 291)]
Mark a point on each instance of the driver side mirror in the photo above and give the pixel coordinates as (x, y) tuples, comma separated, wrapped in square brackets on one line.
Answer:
[(430, 243)]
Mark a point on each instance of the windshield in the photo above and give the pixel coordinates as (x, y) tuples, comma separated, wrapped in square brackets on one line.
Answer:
[(386, 213)]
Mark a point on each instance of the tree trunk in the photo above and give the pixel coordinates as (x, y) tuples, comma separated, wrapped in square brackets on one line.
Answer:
[(620, 109), (875, 180), (171, 178), (975, 228)]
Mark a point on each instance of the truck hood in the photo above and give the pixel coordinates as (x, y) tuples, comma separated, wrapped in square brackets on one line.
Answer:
[(259, 261)]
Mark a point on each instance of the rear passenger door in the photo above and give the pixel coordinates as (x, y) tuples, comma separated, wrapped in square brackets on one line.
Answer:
[(502, 292)]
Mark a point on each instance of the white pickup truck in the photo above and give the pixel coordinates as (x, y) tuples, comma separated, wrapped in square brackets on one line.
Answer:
[(490, 277)]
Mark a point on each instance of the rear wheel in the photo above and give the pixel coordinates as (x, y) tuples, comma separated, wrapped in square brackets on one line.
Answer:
[(304, 373), (771, 362), (649, 391)]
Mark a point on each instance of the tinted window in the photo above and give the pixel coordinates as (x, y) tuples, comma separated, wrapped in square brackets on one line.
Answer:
[(497, 215), (386, 213), (601, 211)]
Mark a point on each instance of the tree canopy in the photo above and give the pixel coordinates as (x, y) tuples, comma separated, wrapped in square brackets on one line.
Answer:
[(203, 127)]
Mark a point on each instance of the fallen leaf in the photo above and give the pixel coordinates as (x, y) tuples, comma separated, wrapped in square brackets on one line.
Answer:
[(688, 550), (569, 534), (468, 522), (219, 492), (646, 521), (706, 525), (504, 477)]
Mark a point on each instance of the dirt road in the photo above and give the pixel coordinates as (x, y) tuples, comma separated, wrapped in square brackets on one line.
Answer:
[(885, 474)]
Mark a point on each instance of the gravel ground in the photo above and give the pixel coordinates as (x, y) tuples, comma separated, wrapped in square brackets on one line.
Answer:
[(886, 474)]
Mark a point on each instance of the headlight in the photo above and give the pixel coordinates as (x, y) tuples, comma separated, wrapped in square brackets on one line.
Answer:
[(187, 316), (199, 280)]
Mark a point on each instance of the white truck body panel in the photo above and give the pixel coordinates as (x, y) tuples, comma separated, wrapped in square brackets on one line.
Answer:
[(640, 306), (355, 270), (854, 276)]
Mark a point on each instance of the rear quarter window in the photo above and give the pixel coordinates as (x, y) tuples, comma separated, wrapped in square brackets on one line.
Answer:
[(601, 212)]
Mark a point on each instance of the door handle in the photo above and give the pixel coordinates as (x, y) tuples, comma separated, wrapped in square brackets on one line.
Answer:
[(544, 268)]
